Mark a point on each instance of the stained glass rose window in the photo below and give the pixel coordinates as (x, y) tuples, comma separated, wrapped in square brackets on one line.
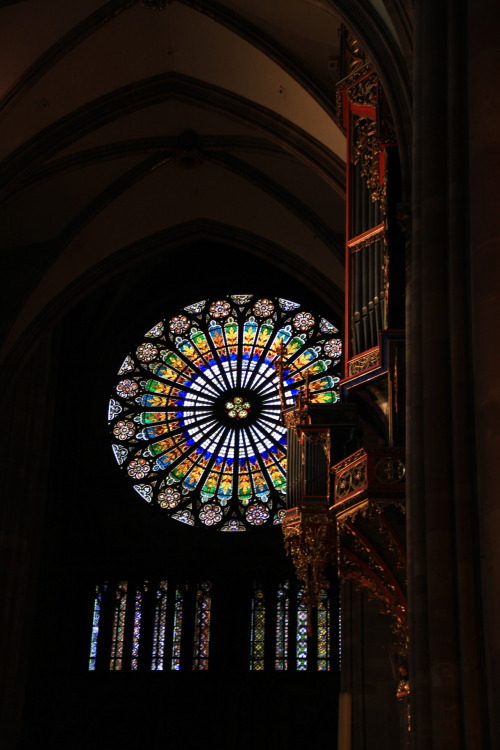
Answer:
[(198, 413)]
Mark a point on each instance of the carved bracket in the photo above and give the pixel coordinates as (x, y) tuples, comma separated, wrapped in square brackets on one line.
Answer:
[(309, 537)]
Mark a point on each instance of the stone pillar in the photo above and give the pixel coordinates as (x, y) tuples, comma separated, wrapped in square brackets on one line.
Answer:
[(484, 166), (368, 679), (446, 660), (26, 445)]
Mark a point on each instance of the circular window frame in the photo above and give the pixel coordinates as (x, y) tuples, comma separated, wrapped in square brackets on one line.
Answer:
[(170, 432)]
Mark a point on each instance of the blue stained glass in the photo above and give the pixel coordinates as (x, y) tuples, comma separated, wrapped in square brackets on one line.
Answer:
[(96, 618), (233, 525), (286, 304), (114, 409), (301, 642), (155, 331), (160, 625), (279, 516), (177, 630), (282, 626), (327, 327), (184, 516), (197, 307), (128, 364), (214, 353), (120, 452), (145, 491), (137, 629)]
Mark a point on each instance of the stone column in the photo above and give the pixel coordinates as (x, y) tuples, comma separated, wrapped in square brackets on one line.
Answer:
[(446, 661), (484, 166), (368, 678), (26, 445)]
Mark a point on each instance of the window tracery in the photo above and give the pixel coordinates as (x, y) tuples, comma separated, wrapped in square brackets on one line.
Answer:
[(166, 625), (195, 412)]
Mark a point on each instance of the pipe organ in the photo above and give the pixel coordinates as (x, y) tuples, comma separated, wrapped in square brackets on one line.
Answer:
[(346, 462)]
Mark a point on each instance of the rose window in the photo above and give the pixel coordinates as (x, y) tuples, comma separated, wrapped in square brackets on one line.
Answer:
[(238, 408), (195, 414)]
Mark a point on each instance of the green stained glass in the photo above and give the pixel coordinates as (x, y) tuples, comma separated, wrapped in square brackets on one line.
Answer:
[(150, 625), (323, 620), (326, 397), (196, 407), (257, 630)]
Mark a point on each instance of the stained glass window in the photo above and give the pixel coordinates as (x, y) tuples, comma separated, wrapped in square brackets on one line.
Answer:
[(324, 630), (195, 411), (202, 626), (159, 628), (96, 620), (136, 635), (142, 625), (282, 626), (120, 610), (177, 629), (301, 640), (166, 625), (258, 630), (294, 644)]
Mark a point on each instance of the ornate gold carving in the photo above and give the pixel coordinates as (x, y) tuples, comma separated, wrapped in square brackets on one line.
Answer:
[(366, 148), (403, 689), (366, 91), (293, 419), (353, 458), (372, 556), (366, 152), (353, 54), (389, 470), (351, 479), (369, 490), (364, 362), (376, 474), (385, 282), (367, 239), (345, 84), (309, 537)]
